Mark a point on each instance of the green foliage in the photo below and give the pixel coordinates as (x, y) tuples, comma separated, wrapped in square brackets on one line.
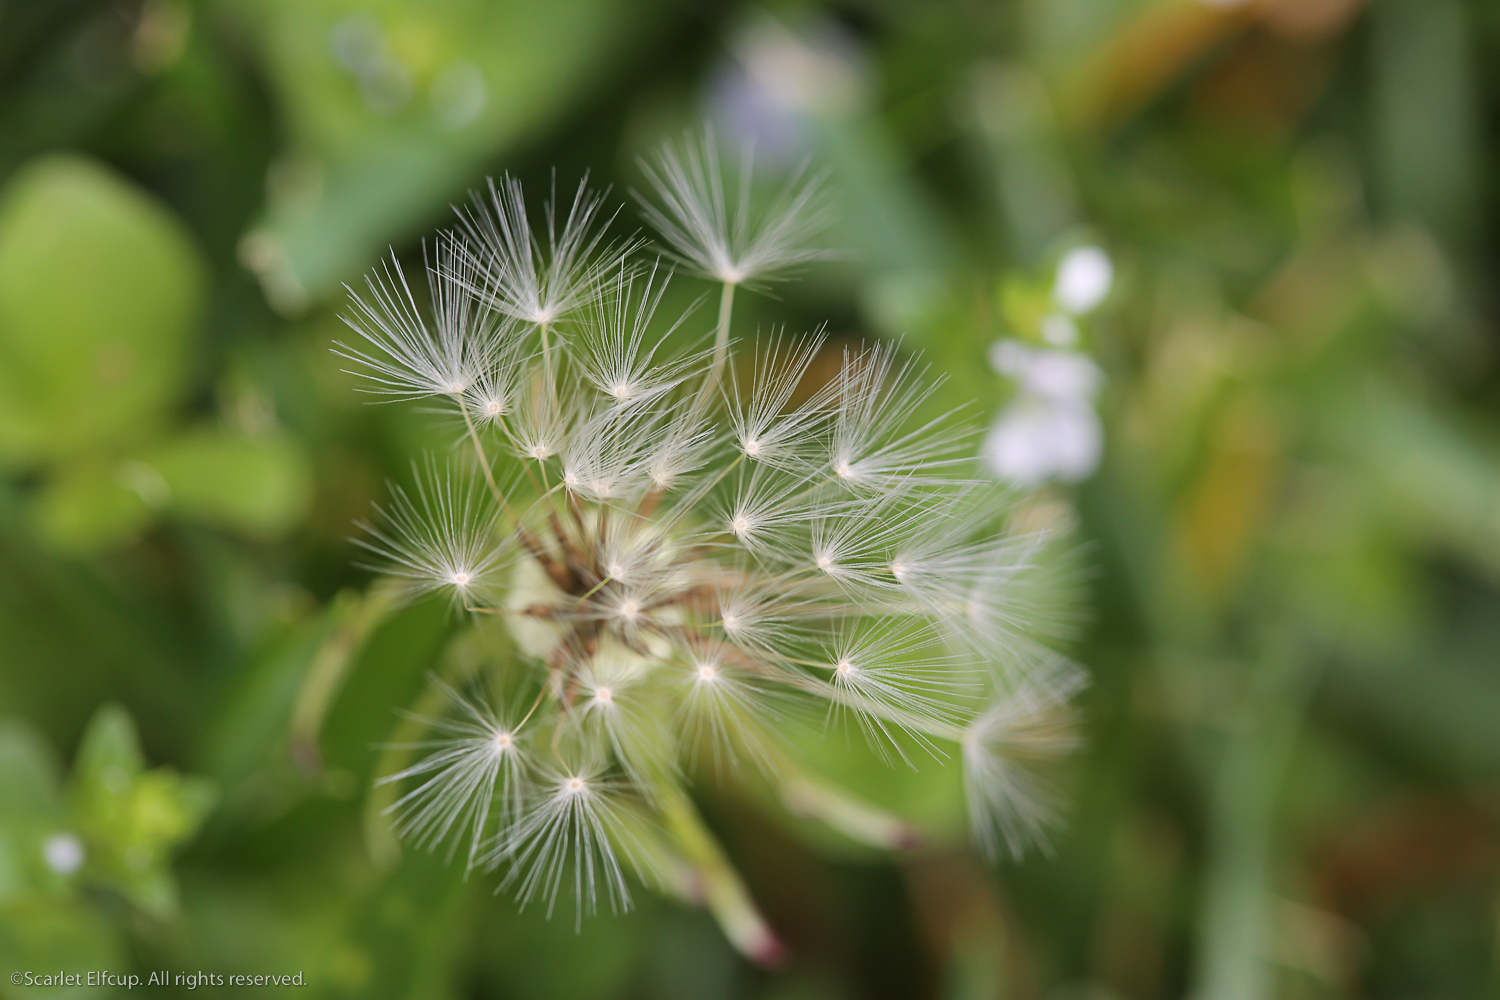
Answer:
[(113, 826), (100, 288), (1291, 546)]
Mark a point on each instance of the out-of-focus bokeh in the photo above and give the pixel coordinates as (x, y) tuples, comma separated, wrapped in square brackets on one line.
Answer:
[(1218, 277)]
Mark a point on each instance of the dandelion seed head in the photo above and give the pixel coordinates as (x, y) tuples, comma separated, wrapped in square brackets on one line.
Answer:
[(682, 546)]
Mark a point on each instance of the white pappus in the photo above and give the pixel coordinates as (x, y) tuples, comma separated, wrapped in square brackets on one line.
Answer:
[(690, 554)]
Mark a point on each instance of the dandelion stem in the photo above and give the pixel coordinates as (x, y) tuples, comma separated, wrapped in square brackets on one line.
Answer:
[(859, 821), (484, 462), (542, 328), (532, 710), (721, 345), (723, 890)]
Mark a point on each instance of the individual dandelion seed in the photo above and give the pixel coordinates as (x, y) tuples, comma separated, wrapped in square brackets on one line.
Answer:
[(712, 227), (442, 537), (714, 232), (894, 678), (525, 278), (726, 706), (475, 770), (616, 358), (685, 563), (566, 834), (1006, 750), (409, 357), (874, 398), (765, 432)]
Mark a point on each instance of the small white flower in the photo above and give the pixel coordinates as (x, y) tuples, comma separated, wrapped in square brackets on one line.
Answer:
[(63, 853), (1059, 330), (1084, 277), (1051, 429), (1035, 440)]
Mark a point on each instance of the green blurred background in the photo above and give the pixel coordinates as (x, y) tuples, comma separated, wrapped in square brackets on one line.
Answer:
[(1291, 780)]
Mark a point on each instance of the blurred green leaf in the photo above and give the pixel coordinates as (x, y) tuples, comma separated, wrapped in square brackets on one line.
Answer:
[(394, 108), (86, 506), (259, 485), (132, 818), (29, 808), (99, 288), (48, 936)]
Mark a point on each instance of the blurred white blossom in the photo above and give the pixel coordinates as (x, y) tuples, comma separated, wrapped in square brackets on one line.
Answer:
[(1050, 430), (1084, 277)]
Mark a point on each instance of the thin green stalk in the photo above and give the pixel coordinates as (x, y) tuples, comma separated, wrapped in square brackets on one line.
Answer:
[(723, 890), (1237, 920), (721, 344)]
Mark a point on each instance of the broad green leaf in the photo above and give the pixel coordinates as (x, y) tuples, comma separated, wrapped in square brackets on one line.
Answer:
[(90, 505), (99, 288), (395, 108), (260, 485)]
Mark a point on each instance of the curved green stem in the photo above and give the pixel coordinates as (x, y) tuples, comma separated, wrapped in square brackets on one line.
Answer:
[(723, 890)]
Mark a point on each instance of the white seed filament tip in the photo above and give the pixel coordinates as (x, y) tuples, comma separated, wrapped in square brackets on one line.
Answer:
[(751, 447)]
